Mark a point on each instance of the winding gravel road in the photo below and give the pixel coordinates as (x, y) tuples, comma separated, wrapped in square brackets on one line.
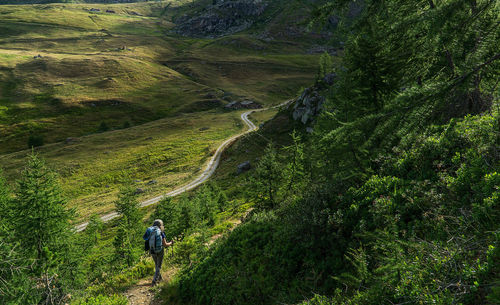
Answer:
[(204, 176)]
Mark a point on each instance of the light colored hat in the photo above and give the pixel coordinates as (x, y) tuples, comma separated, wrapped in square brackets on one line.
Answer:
[(159, 223)]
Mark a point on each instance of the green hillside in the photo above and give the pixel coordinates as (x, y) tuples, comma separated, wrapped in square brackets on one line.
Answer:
[(377, 183), (72, 73)]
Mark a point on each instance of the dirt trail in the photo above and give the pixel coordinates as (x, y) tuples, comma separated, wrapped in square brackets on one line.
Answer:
[(143, 294), (204, 176)]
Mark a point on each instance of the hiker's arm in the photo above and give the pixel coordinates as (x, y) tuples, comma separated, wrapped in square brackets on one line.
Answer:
[(165, 244)]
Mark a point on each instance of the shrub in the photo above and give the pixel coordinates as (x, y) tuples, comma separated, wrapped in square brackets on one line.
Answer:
[(103, 127), (105, 300)]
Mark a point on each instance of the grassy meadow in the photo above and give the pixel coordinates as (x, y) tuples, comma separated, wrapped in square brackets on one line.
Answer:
[(117, 97)]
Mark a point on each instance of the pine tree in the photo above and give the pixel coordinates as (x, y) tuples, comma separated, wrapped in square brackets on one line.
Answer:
[(128, 205), (169, 212), (14, 282), (268, 179), (186, 217), (125, 251), (220, 197), (93, 230), (325, 65), (207, 206), (41, 217), (42, 228), (127, 244), (295, 173)]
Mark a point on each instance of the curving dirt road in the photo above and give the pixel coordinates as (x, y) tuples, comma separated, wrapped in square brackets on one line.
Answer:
[(204, 176)]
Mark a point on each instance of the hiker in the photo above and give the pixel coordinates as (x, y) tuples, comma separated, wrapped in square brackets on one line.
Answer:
[(155, 242)]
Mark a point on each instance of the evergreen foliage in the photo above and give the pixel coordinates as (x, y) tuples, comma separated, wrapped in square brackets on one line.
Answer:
[(325, 65), (399, 201), (394, 199), (35, 140), (127, 240), (268, 180), (37, 239)]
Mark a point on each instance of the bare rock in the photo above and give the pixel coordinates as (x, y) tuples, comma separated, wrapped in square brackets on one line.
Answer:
[(247, 104), (308, 106), (70, 140), (329, 78), (243, 167), (223, 18), (139, 191)]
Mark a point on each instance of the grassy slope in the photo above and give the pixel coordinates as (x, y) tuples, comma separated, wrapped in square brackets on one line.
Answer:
[(158, 78), (171, 151)]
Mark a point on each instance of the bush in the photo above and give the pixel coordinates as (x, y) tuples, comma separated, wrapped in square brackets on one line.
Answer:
[(103, 127), (105, 300)]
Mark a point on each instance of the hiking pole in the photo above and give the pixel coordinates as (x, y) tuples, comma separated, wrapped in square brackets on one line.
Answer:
[(175, 240)]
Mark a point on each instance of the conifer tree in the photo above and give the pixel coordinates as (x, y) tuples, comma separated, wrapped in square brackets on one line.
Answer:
[(295, 173), (125, 250), (43, 230), (169, 212), (220, 197), (186, 213), (41, 217), (93, 230), (207, 206), (127, 243), (268, 179), (14, 282), (325, 65)]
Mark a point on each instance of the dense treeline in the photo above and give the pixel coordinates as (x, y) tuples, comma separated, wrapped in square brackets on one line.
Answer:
[(396, 197)]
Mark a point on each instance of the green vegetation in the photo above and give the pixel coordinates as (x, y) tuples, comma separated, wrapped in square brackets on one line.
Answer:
[(400, 196), (55, 264), (71, 79), (67, 69), (390, 195), (170, 151)]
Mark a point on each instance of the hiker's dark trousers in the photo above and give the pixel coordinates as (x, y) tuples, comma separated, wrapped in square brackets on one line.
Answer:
[(158, 258)]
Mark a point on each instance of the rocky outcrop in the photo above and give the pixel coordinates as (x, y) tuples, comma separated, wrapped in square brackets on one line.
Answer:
[(225, 17), (243, 105), (308, 106)]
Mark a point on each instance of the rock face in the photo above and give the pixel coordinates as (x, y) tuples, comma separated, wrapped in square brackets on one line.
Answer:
[(308, 106), (225, 17)]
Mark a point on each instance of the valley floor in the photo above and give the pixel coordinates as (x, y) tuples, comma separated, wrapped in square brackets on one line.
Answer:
[(118, 99)]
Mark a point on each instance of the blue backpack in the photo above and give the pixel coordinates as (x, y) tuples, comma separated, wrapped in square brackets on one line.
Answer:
[(153, 240)]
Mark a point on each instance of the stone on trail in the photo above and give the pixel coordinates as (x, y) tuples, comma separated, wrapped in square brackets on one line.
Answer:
[(70, 140), (243, 167)]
